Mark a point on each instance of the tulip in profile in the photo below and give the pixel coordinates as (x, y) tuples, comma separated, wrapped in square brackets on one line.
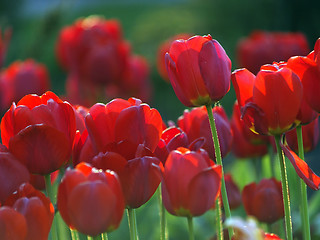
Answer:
[(199, 70), (264, 200), (308, 69), (36, 209), (269, 101), (190, 183), (90, 201)]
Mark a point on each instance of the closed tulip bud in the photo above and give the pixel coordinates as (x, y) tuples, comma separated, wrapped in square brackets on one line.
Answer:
[(190, 183), (264, 200), (90, 201), (199, 70)]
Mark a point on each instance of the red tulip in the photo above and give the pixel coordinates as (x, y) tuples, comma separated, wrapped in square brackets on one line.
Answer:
[(195, 124), (121, 120), (25, 77), (265, 47), (199, 70), (136, 80), (12, 175), (246, 144), (122, 137), (90, 201), (310, 135), (269, 101), (190, 183), (13, 224), (308, 69), (264, 200), (163, 49), (39, 132), (36, 208), (93, 44)]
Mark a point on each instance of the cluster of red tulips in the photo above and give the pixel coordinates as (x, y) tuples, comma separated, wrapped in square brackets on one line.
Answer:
[(91, 164)]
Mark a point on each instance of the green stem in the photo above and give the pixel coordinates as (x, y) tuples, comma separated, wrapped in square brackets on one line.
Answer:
[(303, 187), (219, 220), (132, 224), (285, 189), (74, 234), (50, 194), (219, 161), (104, 236), (190, 225), (162, 213)]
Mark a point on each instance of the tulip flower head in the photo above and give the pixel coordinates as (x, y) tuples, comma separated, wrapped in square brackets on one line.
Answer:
[(39, 132), (308, 69), (190, 183), (195, 124), (269, 101), (266, 47), (199, 70), (90, 200), (36, 208), (268, 192)]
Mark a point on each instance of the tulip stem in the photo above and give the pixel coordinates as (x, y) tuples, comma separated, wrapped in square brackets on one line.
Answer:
[(98, 237), (219, 162), (74, 234), (219, 219), (132, 224), (162, 212), (104, 236), (50, 194), (190, 225), (285, 189), (303, 187)]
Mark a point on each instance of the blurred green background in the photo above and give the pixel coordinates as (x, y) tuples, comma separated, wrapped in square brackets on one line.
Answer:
[(36, 24)]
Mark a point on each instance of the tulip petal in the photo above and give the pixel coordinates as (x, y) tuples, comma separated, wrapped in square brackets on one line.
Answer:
[(12, 175), (243, 81), (90, 207), (139, 125), (140, 179), (13, 225), (204, 189), (41, 148), (173, 76), (38, 220), (302, 168), (215, 68)]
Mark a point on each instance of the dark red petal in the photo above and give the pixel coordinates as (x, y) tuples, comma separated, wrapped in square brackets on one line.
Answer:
[(38, 220), (215, 68), (12, 175), (41, 148), (140, 179), (204, 189), (13, 225), (139, 125), (90, 207), (302, 168)]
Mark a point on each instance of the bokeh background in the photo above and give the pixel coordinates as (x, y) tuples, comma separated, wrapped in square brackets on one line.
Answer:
[(147, 23)]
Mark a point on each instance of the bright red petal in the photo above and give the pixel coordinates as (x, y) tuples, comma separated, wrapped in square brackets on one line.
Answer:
[(302, 168)]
